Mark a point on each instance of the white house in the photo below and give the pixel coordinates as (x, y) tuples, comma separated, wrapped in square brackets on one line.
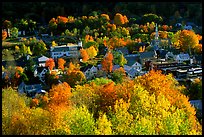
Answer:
[(42, 61), (137, 66), (182, 57), (133, 70), (90, 71), (66, 50), (169, 55), (30, 90)]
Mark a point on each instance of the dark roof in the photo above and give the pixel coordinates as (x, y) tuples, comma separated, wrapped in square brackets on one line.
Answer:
[(85, 68), (163, 53), (149, 54), (132, 59), (124, 50)]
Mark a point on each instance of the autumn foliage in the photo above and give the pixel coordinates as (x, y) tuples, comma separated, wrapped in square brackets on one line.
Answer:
[(19, 70), (157, 83), (119, 19), (4, 35), (186, 40), (107, 62), (84, 55), (61, 63), (50, 63)]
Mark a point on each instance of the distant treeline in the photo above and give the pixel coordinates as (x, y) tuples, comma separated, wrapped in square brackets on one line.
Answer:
[(42, 12)]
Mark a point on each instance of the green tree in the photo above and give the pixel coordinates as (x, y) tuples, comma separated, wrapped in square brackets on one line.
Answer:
[(14, 32), (119, 58), (40, 48), (24, 49), (150, 17)]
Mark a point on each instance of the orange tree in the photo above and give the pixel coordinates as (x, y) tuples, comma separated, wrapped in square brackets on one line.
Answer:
[(187, 41), (156, 83), (119, 19), (74, 76), (50, 63), (84, 55), (4, 35), (107, 62), (61, 63)]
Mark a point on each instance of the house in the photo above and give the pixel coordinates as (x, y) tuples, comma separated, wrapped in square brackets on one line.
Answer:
[(30, 90), (89, 71), (133, 66), (66, 50), (137, 66), (40, 72), (132, 73), (169, 55), (163, 53), (42, 60), (145, 56), (182, 57)]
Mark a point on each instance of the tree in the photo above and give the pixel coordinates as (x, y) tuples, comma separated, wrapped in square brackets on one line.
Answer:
[(150, 17), (4, 35), (29, 51), (54, 44), (84, 55), (159, 84), (107, 62), (52, 25), (105, 16), (7, 25), (50, 63), (24, 49), (119, 19), (119, 58), (118, 75), (186, 41), (14, 32), (39, 48), (75, 77), (61, 63), (23, 24), (91, 51)]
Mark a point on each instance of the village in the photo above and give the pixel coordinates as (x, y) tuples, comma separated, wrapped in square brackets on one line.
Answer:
[(183, 66), (102, 72)]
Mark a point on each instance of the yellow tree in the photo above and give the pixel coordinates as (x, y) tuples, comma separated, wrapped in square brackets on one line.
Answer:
[(91, 51), (159, 84), (186, 41)]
